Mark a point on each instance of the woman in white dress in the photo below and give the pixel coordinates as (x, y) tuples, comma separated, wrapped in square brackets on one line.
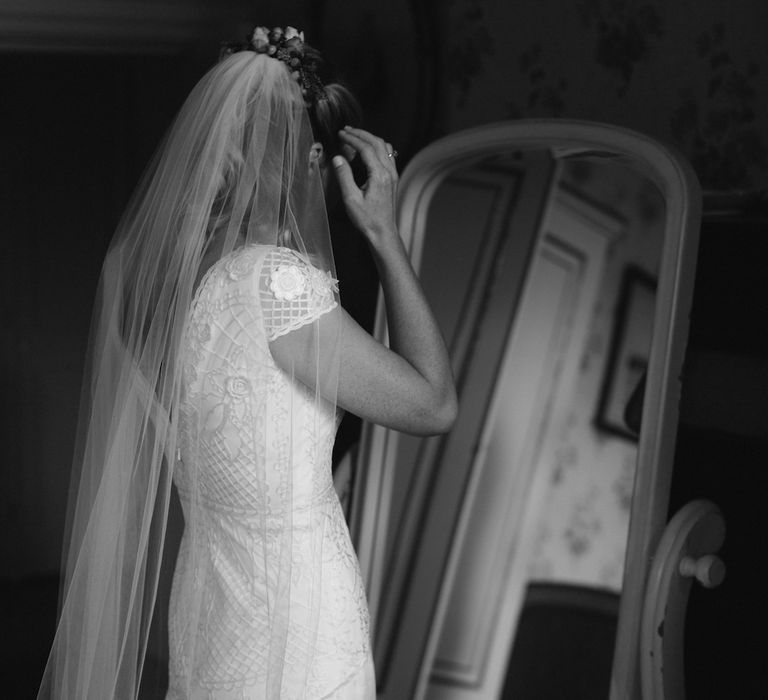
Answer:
[(221, 361)]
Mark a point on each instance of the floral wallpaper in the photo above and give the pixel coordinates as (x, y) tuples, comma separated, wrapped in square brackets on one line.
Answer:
[(473, 44), (582, 533), (689, 73), (624, 33), (717, 122)]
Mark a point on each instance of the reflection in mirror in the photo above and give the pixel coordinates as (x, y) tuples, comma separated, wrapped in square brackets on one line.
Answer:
[(541, 267)]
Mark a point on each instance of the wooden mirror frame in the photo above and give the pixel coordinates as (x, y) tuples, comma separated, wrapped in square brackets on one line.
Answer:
[(678, 184)]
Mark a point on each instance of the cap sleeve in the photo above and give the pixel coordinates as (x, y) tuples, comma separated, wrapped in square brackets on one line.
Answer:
[(293, 292)]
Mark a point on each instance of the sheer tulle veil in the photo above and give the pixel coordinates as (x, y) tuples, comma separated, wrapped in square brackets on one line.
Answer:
[(233, 171)]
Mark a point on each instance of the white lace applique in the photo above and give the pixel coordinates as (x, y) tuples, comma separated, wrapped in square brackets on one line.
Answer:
[(241, 265), (287, 282), (322, 282)]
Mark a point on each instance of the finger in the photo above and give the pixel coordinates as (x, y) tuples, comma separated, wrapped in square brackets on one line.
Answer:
[(378, 144), (349, 188), (391, 154), (369, 154), (363, 134), (384, 150), (372, 155)]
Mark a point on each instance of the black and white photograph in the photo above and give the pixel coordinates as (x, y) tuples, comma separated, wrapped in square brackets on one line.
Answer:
[(405, 350)]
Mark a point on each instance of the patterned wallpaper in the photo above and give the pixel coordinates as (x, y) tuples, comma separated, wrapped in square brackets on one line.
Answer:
[(689, 73), (582, 533)]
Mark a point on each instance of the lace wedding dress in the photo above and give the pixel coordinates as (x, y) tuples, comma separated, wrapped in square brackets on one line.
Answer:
[(267, 591)]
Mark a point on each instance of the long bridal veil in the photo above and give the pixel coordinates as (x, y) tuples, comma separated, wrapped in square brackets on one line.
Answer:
[(233, 171)]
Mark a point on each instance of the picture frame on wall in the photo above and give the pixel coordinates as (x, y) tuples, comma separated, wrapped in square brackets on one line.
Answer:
[(628, 353)]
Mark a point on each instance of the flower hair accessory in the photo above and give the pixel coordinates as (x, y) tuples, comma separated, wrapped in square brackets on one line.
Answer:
[(286, 45)]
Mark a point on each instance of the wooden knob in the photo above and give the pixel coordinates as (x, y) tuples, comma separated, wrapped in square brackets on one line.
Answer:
[(708, 570)]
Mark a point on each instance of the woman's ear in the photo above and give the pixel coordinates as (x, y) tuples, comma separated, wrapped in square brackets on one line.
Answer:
[(317, 154)]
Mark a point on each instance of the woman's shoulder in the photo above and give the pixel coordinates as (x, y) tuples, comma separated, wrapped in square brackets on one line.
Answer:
[(276, 271), (244, 262), (288, 274), (248, 260)]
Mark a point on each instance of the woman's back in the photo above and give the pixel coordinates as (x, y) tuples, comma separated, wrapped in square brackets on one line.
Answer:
[(266, 555)]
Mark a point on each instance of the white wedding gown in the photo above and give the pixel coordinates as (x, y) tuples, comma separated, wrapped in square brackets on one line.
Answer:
[(267, 585)]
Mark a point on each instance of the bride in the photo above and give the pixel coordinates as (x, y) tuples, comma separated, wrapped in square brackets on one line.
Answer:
[(220, 361)]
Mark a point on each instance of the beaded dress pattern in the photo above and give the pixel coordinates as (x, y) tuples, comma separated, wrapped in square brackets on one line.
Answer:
[(266, 561)]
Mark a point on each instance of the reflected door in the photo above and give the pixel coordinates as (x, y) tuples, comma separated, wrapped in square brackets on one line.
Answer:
[(483, 226)]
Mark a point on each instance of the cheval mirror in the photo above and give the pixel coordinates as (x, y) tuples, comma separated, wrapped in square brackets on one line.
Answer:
[(559, 259)]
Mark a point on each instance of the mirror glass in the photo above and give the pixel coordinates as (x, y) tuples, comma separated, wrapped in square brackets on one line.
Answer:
[(541, 265)]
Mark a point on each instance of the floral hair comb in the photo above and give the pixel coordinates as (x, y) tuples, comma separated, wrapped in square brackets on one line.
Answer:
[(286, 45)]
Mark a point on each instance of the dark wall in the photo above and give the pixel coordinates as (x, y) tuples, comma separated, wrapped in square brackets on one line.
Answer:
[(722, 452), (76, 134)]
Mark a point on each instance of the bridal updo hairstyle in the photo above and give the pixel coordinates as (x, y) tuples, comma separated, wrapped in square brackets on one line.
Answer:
[(330, 104), (337, 108)]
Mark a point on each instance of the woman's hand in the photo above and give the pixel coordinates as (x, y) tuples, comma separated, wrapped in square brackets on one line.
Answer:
[(372, 206), (408, 385)]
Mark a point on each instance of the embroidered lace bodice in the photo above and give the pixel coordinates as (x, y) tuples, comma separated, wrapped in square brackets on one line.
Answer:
[(266, 551)]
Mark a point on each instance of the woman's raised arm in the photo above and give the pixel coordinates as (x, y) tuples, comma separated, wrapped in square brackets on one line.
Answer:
[(409, 386)]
